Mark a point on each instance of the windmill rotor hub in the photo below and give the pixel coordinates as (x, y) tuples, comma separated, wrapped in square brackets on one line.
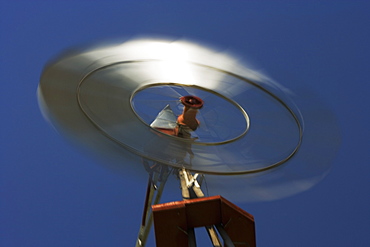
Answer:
[(192, 101)]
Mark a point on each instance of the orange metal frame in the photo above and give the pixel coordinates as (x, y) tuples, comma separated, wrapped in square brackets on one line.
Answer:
[(172, 221)]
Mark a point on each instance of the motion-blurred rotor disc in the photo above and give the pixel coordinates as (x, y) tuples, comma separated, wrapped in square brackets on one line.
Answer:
[(108, 96)]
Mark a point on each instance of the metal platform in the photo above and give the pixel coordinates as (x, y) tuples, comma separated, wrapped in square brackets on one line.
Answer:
[(174, 222)]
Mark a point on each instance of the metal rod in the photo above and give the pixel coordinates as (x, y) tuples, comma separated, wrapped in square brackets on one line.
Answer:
[(213, 236), (150, 215), (184, 188), (191, 238), (227, 240), (148, 191), (145, 229)]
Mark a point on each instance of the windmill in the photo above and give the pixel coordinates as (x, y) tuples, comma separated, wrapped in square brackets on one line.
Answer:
[(193, 113)]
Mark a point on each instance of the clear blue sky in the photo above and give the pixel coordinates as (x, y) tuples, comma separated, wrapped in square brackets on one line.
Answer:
[(54, 195)]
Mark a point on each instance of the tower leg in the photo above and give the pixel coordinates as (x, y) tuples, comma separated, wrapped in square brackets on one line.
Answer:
[(157, 176)]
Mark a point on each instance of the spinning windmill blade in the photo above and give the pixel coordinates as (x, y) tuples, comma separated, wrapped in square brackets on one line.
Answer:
[(252, 143)]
